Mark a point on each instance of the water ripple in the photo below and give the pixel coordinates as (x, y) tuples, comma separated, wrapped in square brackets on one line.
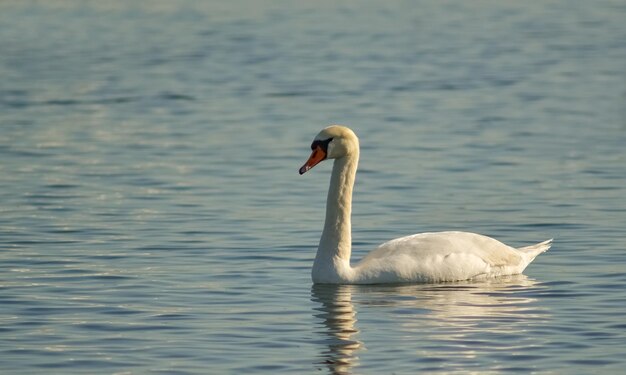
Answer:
[(152, 220)]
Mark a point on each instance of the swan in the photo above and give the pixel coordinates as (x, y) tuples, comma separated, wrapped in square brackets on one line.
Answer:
[(424, 257)]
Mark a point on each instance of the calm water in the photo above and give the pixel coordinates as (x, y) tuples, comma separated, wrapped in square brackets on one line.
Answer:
[(152, 219)]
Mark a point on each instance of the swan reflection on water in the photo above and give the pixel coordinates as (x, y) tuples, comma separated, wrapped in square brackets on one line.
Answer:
[(447, 321), (339, 317)]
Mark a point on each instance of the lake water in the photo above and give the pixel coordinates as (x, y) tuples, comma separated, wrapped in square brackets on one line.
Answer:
[(152, 219)]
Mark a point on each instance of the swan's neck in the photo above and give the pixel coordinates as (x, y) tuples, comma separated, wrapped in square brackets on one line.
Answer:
[(333, 254)]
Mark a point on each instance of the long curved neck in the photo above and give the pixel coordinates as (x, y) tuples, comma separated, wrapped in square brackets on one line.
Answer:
[(336, 241)]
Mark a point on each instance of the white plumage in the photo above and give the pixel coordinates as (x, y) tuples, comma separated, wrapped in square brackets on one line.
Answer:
[(424, 257)]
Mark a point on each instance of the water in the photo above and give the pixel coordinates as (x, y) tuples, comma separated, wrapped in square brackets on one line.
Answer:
[(152, 219)]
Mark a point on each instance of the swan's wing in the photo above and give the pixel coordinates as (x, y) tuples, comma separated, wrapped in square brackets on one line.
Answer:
[(442, 244), (441, 256)]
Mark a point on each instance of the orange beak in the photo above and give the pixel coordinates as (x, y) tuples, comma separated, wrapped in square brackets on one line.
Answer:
[(316, 156)]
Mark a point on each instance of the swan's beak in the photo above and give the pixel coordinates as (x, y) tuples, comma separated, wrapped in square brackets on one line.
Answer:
[(316, 156)]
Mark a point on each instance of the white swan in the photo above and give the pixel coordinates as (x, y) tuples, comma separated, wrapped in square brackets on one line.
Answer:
[(424, 257)]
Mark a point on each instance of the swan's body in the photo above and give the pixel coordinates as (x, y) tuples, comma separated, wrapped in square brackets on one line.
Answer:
[(425, 257)]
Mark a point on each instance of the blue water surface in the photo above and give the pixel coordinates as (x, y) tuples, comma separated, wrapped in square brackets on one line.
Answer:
[(152, 220)]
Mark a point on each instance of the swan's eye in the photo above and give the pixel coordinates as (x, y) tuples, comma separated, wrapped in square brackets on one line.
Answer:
[(323, 144)]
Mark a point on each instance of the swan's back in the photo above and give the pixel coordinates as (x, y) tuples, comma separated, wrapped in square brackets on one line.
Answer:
[(443, 256)]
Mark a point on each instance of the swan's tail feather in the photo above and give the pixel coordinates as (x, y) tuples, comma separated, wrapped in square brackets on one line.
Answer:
[(533, 250)]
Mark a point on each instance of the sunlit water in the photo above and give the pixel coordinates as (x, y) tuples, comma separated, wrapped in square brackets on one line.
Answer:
[(152, 219)]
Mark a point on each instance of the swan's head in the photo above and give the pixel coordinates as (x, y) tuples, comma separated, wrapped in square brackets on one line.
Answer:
[(333, 142)]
